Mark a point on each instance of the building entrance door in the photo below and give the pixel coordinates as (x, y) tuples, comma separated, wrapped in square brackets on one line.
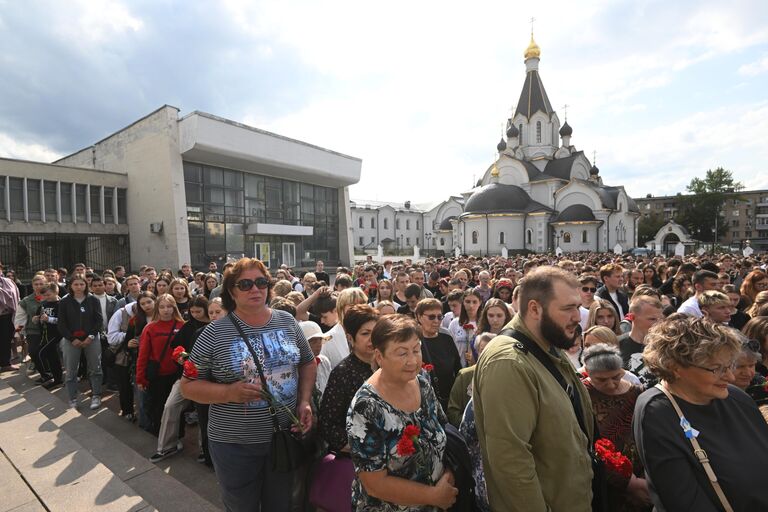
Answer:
[(289, 254), (261, 252)]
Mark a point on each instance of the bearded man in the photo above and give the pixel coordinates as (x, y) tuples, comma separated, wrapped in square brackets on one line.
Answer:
[(533, 415)]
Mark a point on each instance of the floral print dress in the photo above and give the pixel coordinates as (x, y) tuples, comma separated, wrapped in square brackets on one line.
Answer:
[(374, 428)]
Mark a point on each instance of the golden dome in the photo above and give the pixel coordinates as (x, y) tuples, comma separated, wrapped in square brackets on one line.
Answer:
[(495, 171), (533, 50)]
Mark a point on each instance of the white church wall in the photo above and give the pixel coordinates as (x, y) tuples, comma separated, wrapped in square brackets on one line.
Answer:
[(541, 191), (577, 232), (574, 196), (512, 227), (511, 172)]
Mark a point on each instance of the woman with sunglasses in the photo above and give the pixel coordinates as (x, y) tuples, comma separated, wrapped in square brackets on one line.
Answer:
[(222, 371), (441, 359), (696, 409)]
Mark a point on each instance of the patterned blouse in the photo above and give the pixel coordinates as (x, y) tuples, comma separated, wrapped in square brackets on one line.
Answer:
[(374, 428), (613, 414), (343, 383)]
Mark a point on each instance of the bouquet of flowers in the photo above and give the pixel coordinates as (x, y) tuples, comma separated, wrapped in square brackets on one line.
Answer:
[(615, 461)]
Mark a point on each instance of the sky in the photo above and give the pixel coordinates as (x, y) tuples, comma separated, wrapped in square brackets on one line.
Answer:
[(661, 91)]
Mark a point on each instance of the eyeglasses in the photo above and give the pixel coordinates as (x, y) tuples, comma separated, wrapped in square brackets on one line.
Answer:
[(719, 370), (244, 285), (588, 289), (432, 318)]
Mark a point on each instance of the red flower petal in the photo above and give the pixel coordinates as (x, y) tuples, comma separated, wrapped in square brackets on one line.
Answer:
[(411, 431), (177, 352), (190, 370), (405, 446)]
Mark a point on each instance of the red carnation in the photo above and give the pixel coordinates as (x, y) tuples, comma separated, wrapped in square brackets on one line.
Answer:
[(190, 370), (78, 335), (428, 367), (411, 431), (468, 326), (405, 447), (39, 298), (178, 352)]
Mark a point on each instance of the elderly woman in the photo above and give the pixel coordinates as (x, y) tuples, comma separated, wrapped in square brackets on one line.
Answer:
[(745, 376), (395, 430), (222, 372), (441, 359), (695, 407), (757, 329), (613, 400)]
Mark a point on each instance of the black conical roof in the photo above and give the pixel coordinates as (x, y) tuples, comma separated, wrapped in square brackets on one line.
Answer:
[(533, 98)]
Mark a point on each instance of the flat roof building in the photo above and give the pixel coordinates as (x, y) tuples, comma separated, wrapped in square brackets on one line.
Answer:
[(173, 190)]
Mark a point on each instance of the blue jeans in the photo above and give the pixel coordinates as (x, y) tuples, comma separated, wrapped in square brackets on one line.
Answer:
[(72, 361), (246, 479)]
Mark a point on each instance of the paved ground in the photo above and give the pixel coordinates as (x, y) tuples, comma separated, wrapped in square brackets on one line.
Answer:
[(55, 458)]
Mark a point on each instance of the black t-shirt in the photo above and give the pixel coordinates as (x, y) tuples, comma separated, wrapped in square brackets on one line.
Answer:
[(628, 346), (405, 310), (441, 352), (323, 276), (738, 320), (732, 432)]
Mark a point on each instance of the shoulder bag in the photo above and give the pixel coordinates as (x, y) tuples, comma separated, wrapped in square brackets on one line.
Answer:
[(287, 451), (153, 367), (700, 454), (599, 482)]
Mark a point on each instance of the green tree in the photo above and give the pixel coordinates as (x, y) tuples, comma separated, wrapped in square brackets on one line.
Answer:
[(648, 227), (700, 211)]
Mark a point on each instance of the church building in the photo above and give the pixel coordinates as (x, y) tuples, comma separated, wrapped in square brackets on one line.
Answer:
[(540, 194)]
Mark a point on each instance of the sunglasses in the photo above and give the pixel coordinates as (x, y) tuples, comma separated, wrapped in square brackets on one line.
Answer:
[(432, 318), (262, 283), (589, 289)]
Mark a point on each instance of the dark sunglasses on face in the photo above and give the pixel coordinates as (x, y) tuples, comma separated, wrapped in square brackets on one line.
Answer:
[(262, 283), (586, 289), (432, 318)]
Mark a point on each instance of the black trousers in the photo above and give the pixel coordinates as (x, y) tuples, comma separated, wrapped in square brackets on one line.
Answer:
[(159, 390), (122, 375), (48, 362), (202, 424), (6, 339)]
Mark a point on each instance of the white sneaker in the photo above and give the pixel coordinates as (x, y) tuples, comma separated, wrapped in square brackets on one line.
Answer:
[(179, 445), (73, 403), (95, 403)]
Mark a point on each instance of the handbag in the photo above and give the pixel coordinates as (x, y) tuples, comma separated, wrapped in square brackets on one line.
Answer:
[(153, 367), (700, 454), (287, 451), (331, 488)]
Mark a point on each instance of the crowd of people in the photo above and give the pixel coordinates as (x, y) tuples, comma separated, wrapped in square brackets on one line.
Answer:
[(531, 383)]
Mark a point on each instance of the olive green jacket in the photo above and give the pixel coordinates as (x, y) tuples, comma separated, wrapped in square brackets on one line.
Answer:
[(535, 454), (459, 397)]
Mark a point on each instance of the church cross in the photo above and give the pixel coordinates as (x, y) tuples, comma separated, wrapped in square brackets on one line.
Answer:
[(594, 157), (532, 20), (565, 109)]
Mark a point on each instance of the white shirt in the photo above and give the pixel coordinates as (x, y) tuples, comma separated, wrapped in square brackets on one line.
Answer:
[(337, 348), (103, 301), (323, 372), (691, 307), (584, 312), (615, 297)]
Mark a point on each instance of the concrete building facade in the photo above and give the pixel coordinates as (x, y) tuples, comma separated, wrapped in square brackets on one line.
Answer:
[(201, 188)]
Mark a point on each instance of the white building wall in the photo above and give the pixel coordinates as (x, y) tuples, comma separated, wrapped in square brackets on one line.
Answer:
[(576, 231)]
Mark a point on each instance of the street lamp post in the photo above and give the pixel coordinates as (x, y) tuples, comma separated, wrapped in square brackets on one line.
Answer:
[(429, 237)]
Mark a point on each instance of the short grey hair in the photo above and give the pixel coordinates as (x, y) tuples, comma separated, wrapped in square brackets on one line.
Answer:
[(602, 358)]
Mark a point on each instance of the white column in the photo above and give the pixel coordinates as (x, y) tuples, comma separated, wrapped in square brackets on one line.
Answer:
[(74, 203), (58, 202), (88, 203), (42, 200), (25, 200), (114, 204), (102, 213)]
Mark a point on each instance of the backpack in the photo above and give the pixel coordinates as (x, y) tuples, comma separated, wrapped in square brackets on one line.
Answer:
[(457, 459)]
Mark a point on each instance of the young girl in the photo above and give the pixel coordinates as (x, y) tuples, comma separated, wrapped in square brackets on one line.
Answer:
[(155, 345), (180, 292), (494, 317), (50, 368), (383, 291), (464, 328), (125, 368)]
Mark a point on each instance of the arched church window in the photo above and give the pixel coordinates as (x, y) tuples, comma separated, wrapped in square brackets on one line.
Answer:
[(501, 237), (566, 238), (360, 222), (386, 223), (521, 134), (538, 132), (474, 237), (528, 236), (442, 241), (373, 222), (584, 236)]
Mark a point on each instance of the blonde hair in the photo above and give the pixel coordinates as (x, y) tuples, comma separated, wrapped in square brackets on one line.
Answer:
[(712, 298), (349, 297), (166, 297), (596, 306), (760, 299), (281, 288), (603, 335)]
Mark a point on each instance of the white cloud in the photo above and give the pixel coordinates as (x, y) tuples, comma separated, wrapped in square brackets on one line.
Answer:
[(755, 68), (12, 148), (87, 22)]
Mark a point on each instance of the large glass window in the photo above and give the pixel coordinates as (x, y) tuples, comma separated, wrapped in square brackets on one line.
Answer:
[(109, 205), (33, 199), (50, 201), (66, 202), (2, 197), (95, 204), (16, 186), (122, 206), (80, 192)]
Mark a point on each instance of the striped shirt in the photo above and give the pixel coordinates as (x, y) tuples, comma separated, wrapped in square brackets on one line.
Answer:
[(221, 355)]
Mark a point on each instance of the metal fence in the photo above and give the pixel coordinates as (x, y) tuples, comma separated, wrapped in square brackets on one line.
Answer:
[(27, 253)]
